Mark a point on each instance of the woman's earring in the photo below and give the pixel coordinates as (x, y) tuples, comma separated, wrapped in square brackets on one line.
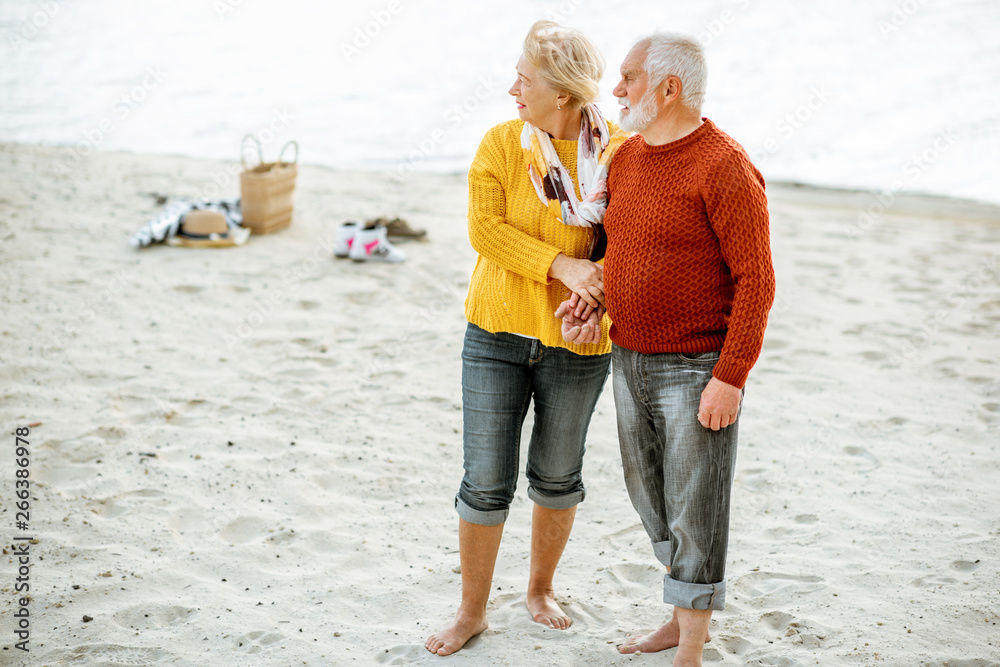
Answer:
[(559, 106)]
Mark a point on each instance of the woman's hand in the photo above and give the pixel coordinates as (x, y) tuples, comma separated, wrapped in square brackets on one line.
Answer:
[(583, 277)]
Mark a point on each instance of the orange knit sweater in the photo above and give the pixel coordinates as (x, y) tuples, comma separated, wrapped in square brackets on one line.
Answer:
[(688, 265), (517, 238)]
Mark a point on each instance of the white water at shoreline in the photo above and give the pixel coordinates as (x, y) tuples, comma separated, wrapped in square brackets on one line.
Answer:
[(873, 95)]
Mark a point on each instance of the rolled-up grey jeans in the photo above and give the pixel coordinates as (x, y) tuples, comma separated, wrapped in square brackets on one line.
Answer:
[(678, 473)]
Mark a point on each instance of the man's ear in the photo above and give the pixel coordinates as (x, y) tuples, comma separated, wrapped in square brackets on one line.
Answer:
[(671, 89)]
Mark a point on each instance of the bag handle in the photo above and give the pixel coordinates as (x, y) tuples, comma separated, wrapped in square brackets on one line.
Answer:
[(290, 143), (260, 151)]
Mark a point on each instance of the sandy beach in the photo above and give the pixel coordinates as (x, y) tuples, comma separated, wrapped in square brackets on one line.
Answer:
[(248, 456)]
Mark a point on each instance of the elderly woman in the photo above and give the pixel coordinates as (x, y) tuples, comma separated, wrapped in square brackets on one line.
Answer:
[(537, 194)]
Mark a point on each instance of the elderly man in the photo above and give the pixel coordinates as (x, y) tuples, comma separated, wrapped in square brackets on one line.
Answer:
[(688, 285)]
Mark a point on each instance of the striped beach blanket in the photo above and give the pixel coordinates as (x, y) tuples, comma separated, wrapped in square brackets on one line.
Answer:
[(168, 222)]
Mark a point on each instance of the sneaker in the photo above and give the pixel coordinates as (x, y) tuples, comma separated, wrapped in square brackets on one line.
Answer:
[(344, 238), (400, 228), (371, 244)]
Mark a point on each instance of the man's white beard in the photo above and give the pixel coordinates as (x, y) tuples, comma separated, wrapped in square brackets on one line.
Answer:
[(640, 117)]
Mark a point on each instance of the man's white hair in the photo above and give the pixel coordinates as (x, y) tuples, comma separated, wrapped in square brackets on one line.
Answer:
[(676, 54)]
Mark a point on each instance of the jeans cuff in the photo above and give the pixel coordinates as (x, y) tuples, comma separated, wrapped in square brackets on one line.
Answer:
[(480, 517), (662, 551), (561, 502), (694, 596)]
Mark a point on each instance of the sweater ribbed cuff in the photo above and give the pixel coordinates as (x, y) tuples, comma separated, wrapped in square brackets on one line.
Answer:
[(730, 373), (543, 263)]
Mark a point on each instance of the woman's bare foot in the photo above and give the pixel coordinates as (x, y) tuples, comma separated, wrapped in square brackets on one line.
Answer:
[(453, 638), (545, 610), (667, 636)]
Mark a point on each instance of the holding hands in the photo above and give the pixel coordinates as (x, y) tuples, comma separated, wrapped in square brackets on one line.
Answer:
[(581, 321), (581, 313), (583, 277), (581, 324)]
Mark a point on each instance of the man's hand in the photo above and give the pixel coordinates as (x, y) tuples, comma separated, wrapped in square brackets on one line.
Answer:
[(580, 325), (720, 405)]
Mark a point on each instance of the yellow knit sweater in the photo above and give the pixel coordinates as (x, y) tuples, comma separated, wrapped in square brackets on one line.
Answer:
[(517, 239)]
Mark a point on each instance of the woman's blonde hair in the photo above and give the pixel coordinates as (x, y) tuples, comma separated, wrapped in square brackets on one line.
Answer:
[(567, 60)]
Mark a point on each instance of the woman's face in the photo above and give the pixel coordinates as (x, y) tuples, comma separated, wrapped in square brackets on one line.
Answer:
[(537, 103)]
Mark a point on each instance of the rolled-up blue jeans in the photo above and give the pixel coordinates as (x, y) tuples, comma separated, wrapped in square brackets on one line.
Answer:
[(678, 473), (501, 375)]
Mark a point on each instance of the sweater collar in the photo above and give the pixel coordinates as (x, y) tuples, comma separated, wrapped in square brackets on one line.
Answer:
[(705, 128)]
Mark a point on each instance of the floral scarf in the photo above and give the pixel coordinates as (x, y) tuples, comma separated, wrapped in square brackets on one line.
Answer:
[(552, 181)]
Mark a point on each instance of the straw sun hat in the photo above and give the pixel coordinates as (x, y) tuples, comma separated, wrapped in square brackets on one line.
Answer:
[(207, 229)]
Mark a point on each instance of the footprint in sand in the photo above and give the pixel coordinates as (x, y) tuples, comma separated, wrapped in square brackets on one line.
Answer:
[(777, 620), (965, 566), (633, 579), (243, 530), (114, 506), (712, 655), (863, 458), (588, 615), (933, 581), (257, 641), (625, 537), (186, 519), (763, 584), (281, 537), (734, 645), (798, 631), (108, 433), (112, 654), (309, 305), (753, 479), (66, 477), (405, 654), (153, 615)]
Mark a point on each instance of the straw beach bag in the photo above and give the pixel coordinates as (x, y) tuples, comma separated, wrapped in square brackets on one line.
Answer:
[(266, 190)]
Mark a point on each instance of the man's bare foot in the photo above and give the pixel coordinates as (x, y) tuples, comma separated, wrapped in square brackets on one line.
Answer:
[(667, 636), (545, 610), (453, 638)]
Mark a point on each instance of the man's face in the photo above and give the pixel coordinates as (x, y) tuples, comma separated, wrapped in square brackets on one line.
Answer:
[(638, 104)]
